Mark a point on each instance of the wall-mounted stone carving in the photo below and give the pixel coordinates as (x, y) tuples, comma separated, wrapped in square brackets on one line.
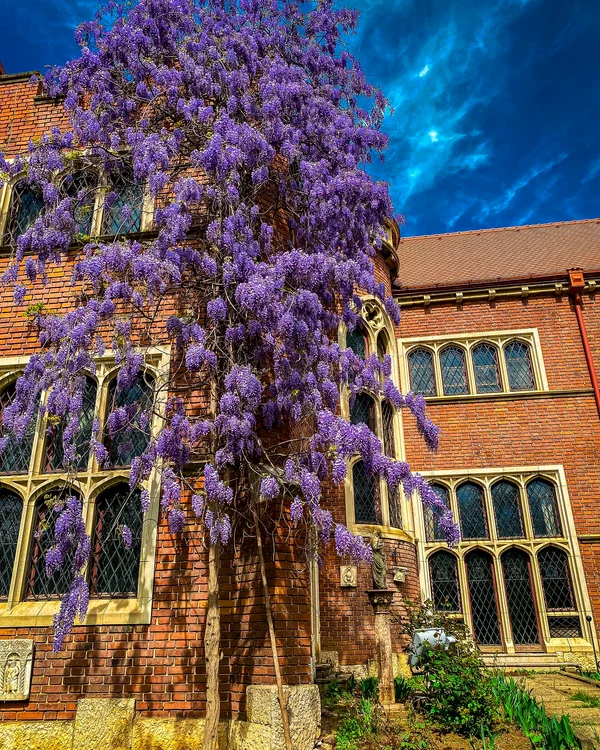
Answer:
[(348, 576), (372, 315), (16, 659)]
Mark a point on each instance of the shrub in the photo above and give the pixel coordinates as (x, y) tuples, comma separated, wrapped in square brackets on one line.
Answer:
[(369, 687), (402, 688), (348, 734), (331, 692)]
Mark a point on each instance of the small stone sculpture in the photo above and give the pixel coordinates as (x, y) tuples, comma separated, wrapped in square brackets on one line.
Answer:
[(379, 565)]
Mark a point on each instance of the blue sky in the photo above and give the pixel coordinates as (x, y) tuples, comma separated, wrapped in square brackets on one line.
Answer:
[(497, 102)]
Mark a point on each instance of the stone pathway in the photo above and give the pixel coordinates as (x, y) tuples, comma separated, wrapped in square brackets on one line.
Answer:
[(554, 691)]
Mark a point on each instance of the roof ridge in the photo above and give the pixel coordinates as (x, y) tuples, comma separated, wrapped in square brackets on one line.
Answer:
[(501, 229)]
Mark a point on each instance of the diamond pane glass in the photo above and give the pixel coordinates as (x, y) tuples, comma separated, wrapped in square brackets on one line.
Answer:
[(422, 375), (25, 206), (363, 411), (366, 496), (124, 215), (115, 567), (132, 439), (564, 627), (387, 419), (556, 579), (444, 582), (485, 366), (482, 591), (11, 508), (39, 585), (471, 506), (432, 532), (54, 446), (543, 507), (81, 189), (355, 340), (17, 453), (521, 609), (454, 371), (519, 367), (382, 345), (507, 510), (395, 508)]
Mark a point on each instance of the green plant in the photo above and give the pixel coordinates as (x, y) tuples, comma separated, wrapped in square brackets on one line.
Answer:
[(590, 701), (592, 675), (369, 687), (348, 734), (351, 684), (331, 692), (402, 688)]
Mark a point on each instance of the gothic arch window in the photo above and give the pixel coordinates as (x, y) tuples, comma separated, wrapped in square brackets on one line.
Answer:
[(454, 371), (507, 510), (115, 564), (363, 410), (81, 187), (366, 496), (382, 345), (54, 446), (387, 419), (482, 593), (16, 455), (556, 579), (26, 204), (519, 367), (11, 509), (422, 373), (543, 507), (516, 567), (471, 506), (486, 368), (432, 532), (356, 341), (131, 439), (122, 213), (443, 572)]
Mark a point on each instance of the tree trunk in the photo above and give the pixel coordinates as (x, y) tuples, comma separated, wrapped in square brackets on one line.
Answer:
[(280, 696), (212, 649)]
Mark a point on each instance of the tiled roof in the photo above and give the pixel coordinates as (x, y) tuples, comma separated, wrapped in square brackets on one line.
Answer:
[(498, 255)]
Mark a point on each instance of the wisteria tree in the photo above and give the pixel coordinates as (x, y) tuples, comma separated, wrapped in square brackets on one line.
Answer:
[(247, 125)]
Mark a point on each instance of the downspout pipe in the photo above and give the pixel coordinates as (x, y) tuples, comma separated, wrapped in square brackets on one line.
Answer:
[(576, 287)]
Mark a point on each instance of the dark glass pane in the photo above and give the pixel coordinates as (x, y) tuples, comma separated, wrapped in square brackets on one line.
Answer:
[(395, 508), (11, 508), (115, 567), (366, 496), (471, 506), (14, 459), (387, 418), (54, 447), (564, 627), (125, 214), (382, 345), (507, 510), (556, 578), (25, 206), (517, 579), (363, 411), (484, 608), (81, 189), (432, 532), (518, 366), (39, 585), (132, 440), (355, 340), (543, 507), (444, 582), (487, 372), (454, 371), (422, 376)]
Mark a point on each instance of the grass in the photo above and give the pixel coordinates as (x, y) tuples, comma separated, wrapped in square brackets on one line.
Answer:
[(590, 701)]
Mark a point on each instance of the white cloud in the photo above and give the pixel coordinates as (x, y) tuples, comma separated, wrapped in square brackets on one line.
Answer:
[(433, 134), (424, 72)]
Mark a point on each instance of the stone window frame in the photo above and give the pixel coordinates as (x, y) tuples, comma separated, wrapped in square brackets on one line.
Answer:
[(495, 546), (89, 484), (467, 342)]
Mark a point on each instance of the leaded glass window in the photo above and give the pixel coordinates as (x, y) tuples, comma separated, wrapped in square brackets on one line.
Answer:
[(422, 374), (81, 188), (507, 510), (132, 439), (115, 566), (387, 419), (382, 345), (564, 627), (444, 582), (482, 592), (366, 496), (454, 371), (556, 579), (432, 531), (123, 214), (54, 446), (355, 340), (26, 204), (363, 411), (395, 508), (17, 453), (516, 567), (486, 369), (11, 509), (471, 506), (519, 367), (543, 508)]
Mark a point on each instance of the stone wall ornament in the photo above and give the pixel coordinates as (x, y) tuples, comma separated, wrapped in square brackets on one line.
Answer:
[(348, 576), (16, 660), (372, 315)]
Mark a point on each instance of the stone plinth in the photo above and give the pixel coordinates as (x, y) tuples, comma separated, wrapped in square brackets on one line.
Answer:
[(381, 601)]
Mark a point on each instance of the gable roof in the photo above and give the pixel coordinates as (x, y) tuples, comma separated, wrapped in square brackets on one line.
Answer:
[(536, 251)]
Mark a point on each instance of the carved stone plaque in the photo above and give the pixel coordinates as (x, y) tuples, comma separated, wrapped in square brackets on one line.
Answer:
[(348, 575), (16, 660), (400, 575)]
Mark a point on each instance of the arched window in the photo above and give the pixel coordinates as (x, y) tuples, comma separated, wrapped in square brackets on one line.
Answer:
[(115, 565), (422, 374), (366, 496), (387, 419), (123, 214), (356, 341), (432, 532), (471, 506), (81, 188), (518, 366), (382, 345), (132, 439), (11, 509), (482, 592), (363, 411), (543, 508), (26, 204), (54, 446), (507, 510), (556, 578), (516, 567), (15, 457), (395, 508), (444, 582), (454, 371), (485, 366)]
